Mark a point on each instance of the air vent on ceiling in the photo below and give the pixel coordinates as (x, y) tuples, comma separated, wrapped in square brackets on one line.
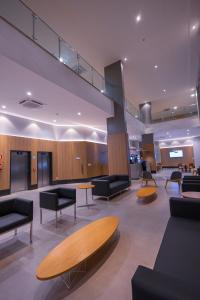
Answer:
[(32, 104)]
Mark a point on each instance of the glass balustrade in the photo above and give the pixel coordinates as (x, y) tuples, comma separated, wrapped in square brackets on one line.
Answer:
[(24, 19)]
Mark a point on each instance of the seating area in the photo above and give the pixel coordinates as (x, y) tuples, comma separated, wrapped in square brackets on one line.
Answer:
[(109, 186), (176, 270)]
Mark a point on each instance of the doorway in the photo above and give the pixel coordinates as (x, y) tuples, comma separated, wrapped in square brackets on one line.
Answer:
[(19, 171), (44, 168)]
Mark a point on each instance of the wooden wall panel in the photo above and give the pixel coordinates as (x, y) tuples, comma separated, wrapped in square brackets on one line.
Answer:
[(66, 164), (118, 160), (188, 156)]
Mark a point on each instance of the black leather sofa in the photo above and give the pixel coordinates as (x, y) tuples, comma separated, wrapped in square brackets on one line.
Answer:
[(57, 199), (109, 186), (15, 213), (191, 183), (176, 272)]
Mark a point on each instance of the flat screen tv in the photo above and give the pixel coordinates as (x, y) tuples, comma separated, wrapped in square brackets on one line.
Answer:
[(176, 153)]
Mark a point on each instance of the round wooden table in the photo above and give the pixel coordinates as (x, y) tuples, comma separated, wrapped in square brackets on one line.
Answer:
[(85, 187), (194, 195), (146, 192)]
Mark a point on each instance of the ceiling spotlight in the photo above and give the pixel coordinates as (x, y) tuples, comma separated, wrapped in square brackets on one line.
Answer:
[(192, 95), (164, 91), (3, 106), (54, 121), (125, 58), (29, 94), (156, 67), (175, 107), (79, 113), (102, 91), (193, 89), (194, 27), (61, 59), (188, 130), (138, 18)]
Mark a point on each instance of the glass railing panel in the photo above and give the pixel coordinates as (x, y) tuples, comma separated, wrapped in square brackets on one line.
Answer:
[(98, 81), (132, 110), (85, 70), (68, 55), (46, 37), (18, 15), (172, 114)]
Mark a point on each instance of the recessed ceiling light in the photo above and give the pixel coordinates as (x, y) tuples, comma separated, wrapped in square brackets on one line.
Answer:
[(61, 59), (156, 67), (79, 113), (54, 121), (175, 107), (194, 27), (193, 89), (3, 106), (164, 91), (138, 18), (125, 58), (102, 91), (29, 94), (192, 95)]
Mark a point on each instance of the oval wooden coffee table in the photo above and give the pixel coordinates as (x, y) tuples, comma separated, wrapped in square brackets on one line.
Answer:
[(194, 195), (146, 192), (77, 248)]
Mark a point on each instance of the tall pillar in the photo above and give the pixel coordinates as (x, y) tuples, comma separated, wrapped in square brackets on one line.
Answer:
[(118, 147), (145, 112), (148, 151)]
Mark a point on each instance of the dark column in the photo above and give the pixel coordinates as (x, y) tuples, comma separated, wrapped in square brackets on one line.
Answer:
[(118, 149), (145, 112), (148, 152)]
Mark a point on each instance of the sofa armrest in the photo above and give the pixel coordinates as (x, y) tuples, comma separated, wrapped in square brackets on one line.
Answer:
[(24, 207), (6, 207), (102, 187), (123, 177), (185, 208), (69, 193), (153, 285), (49, 200)]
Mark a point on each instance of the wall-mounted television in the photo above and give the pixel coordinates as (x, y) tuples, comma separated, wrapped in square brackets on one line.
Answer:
[(176, 153)]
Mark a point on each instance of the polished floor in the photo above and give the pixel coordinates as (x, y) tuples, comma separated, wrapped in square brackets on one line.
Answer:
[(140, 233)]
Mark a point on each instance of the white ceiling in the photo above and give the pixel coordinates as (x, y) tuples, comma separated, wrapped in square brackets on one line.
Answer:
[(105, 31), (16, 80)]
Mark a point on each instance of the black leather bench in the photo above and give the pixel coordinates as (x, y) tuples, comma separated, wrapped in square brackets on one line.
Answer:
[(57, 199), (15, 213), (109, 186), (176, 272), (191, 183)]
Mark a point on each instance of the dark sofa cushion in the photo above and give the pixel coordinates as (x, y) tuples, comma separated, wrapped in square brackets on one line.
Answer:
[(179, 254), (117, 186), (6, 207), (12, 220), (63, 202)]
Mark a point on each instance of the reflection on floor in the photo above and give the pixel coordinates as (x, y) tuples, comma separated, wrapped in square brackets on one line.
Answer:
[(140, 233)]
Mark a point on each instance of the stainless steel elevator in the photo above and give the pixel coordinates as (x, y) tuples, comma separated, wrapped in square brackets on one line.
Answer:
[(44, 168), (19, 171)]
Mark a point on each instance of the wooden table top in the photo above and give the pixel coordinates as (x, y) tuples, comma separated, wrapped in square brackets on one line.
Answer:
[(146, 192), (86, 186), (195, 195), (77, 247)]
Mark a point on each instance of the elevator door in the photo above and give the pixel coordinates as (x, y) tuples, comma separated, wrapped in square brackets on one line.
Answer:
[(19, 170), (44, 169)]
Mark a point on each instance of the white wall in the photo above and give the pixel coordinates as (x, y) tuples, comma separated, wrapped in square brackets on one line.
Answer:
[(17, 126)]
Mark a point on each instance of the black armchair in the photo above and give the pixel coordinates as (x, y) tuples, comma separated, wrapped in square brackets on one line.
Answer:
[(15, 213), (57, 199)]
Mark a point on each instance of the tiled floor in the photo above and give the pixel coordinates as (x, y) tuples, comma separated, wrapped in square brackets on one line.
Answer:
[(109, 276)]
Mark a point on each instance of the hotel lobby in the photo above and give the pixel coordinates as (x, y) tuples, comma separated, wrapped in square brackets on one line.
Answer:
[(99, 149)]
